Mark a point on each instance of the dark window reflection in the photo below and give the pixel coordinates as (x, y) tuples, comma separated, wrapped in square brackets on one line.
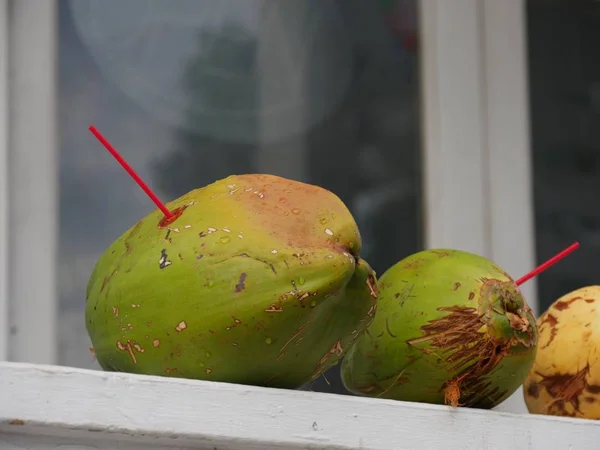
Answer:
[(191, 91), (564, 67)]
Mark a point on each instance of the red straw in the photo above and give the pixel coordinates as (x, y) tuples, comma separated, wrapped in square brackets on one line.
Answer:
[(132, 172), (539, 269)]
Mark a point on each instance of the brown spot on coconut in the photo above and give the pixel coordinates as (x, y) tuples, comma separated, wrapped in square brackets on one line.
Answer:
[(533, 390)]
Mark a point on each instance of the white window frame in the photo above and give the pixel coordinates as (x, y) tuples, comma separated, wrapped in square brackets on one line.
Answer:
[(4, 322), (477, 171), (28, 230), (476, 153)]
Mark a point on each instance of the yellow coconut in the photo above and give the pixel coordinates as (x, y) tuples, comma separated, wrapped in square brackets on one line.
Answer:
[(565, 377)]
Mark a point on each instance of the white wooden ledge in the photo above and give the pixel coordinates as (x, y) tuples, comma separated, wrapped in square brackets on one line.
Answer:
[(49, 407)]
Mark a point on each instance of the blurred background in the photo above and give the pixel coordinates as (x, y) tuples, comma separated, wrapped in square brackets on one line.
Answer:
[(323, 91)]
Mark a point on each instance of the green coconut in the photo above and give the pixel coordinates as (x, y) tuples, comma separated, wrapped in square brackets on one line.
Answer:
[(258, 280), (451, 328)]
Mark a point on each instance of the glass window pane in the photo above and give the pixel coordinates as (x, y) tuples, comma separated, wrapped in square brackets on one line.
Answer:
[(564, 70), (321, 91)]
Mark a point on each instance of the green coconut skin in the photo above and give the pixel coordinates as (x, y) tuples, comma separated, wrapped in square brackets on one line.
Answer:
[(451, 328), (257, 281)]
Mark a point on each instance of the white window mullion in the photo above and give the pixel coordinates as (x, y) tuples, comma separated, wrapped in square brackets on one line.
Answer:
[(477, 159), (508, 141), (33, 178), (453, 130), (4, 212)]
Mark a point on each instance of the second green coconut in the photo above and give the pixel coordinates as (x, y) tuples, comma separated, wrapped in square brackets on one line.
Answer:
[(451, 328)]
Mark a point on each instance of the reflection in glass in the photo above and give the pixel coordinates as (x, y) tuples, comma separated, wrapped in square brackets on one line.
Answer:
[(564, 71), (320, 91)]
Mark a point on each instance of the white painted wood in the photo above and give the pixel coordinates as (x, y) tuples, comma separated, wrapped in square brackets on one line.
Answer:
[(454, 165), (33, 180), (4, 208), (50, 406), (508, 141), (477, 161)]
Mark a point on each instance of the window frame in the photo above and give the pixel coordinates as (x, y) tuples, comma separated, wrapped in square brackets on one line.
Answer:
[(478, 112), (4, 322), (30, 215), (476, 153)]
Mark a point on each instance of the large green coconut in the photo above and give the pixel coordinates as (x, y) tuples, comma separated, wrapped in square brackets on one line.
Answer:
[(257, 281), (451, 327)]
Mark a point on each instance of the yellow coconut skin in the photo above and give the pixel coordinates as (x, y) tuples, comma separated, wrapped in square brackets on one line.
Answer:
[(565, 377)]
